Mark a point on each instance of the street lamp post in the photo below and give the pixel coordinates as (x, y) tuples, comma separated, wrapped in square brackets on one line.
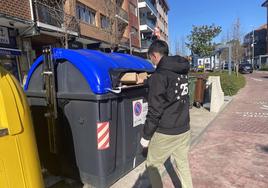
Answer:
[(253, 43), (130, 42), (230, 60)]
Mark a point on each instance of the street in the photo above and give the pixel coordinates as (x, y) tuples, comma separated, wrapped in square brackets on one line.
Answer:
[(233, 152)]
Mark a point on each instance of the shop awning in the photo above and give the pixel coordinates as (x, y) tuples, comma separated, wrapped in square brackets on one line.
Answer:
[(9, 51)]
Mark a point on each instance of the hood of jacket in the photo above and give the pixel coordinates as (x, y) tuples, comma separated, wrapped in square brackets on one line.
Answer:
[(177, 64)]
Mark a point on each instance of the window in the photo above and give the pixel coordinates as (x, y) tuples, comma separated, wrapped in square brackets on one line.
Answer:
[(105, 23), (85, 14), (133, 9), (80, 13), (92, 15)]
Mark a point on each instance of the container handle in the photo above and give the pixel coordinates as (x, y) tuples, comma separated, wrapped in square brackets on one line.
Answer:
[(117, 91)]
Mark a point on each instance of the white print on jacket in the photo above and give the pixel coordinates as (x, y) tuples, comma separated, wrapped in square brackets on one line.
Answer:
[(182, 88)]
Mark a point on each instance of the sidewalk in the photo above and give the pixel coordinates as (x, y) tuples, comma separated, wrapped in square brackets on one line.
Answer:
[(200, 119), (233, 152)]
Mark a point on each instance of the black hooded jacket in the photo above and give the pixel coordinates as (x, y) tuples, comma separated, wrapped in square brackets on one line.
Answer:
[(168, 99)]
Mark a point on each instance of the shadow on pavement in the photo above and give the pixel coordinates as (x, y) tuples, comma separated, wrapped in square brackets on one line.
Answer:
[(263, 148), (67, 184), (143, 180), (172, 173), (265, 77)]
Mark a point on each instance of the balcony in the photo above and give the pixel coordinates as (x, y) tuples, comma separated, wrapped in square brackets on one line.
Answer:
[(145, 44), (147, 4), (122, 21), (147, 25), (55, 19), (119, 2), (121, 14)]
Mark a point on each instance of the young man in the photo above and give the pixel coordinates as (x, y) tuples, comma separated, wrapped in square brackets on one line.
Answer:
[(167, 130)]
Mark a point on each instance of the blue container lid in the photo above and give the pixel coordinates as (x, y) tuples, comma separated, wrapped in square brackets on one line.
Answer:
[(95, 66)]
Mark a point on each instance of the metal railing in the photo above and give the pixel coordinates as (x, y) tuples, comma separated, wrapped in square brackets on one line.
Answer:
[(150, 5), (145, 44), (148, 22), (119, 2), (122, 14), (55, 16)]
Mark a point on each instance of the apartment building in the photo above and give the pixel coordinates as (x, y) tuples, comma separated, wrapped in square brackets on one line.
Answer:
[(260, 44), (26, 26), (55, 24), (103, 23), (134, 25), (16, 19), (91, 24), (153, 16), (148, 21), (265, 4), (162, 19)]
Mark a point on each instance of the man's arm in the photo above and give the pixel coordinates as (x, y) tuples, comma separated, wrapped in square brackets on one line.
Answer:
[(156, 102)]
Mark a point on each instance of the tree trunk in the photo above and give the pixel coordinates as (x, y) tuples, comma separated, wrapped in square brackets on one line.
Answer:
[(66, 40), (236, 67)]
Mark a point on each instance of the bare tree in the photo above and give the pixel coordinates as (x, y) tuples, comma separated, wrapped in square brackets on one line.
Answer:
[(183, 46), (225, 39), (116, 27), (109, 10), (234, 38), (177, 48), (60, 13), (180, 47), (237, 48)]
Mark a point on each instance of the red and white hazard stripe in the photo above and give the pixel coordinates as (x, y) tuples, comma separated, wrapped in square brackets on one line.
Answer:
[(103, 135)]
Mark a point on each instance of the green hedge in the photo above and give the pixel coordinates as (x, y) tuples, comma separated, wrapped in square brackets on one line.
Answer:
[(264, 68), (230, 84)]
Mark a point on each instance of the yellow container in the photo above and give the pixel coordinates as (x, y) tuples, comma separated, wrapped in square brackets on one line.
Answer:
[(19, 161)]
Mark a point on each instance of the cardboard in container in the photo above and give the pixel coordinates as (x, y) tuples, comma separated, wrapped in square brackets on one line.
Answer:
[(134, 78), (129, 78)]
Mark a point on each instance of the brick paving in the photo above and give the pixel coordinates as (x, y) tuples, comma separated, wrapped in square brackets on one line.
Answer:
[(233, 152)]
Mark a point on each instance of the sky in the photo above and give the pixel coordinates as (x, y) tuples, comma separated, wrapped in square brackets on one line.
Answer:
[(185, 13)]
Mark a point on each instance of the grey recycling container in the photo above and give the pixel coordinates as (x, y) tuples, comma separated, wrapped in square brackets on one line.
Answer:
[(91, 129)]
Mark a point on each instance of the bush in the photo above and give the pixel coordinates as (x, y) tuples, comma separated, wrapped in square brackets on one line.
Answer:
[(264, 68), (230, 84)]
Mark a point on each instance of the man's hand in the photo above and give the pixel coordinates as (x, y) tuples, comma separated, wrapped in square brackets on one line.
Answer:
[(139, 80), (144, 143), (141, 77)]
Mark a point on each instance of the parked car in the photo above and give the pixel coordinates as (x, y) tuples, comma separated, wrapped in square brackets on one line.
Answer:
[(246, 68), (199, 68), (225, 66), (256, 66)]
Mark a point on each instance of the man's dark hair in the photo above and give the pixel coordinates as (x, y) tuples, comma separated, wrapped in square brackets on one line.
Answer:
[(159, 46)]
